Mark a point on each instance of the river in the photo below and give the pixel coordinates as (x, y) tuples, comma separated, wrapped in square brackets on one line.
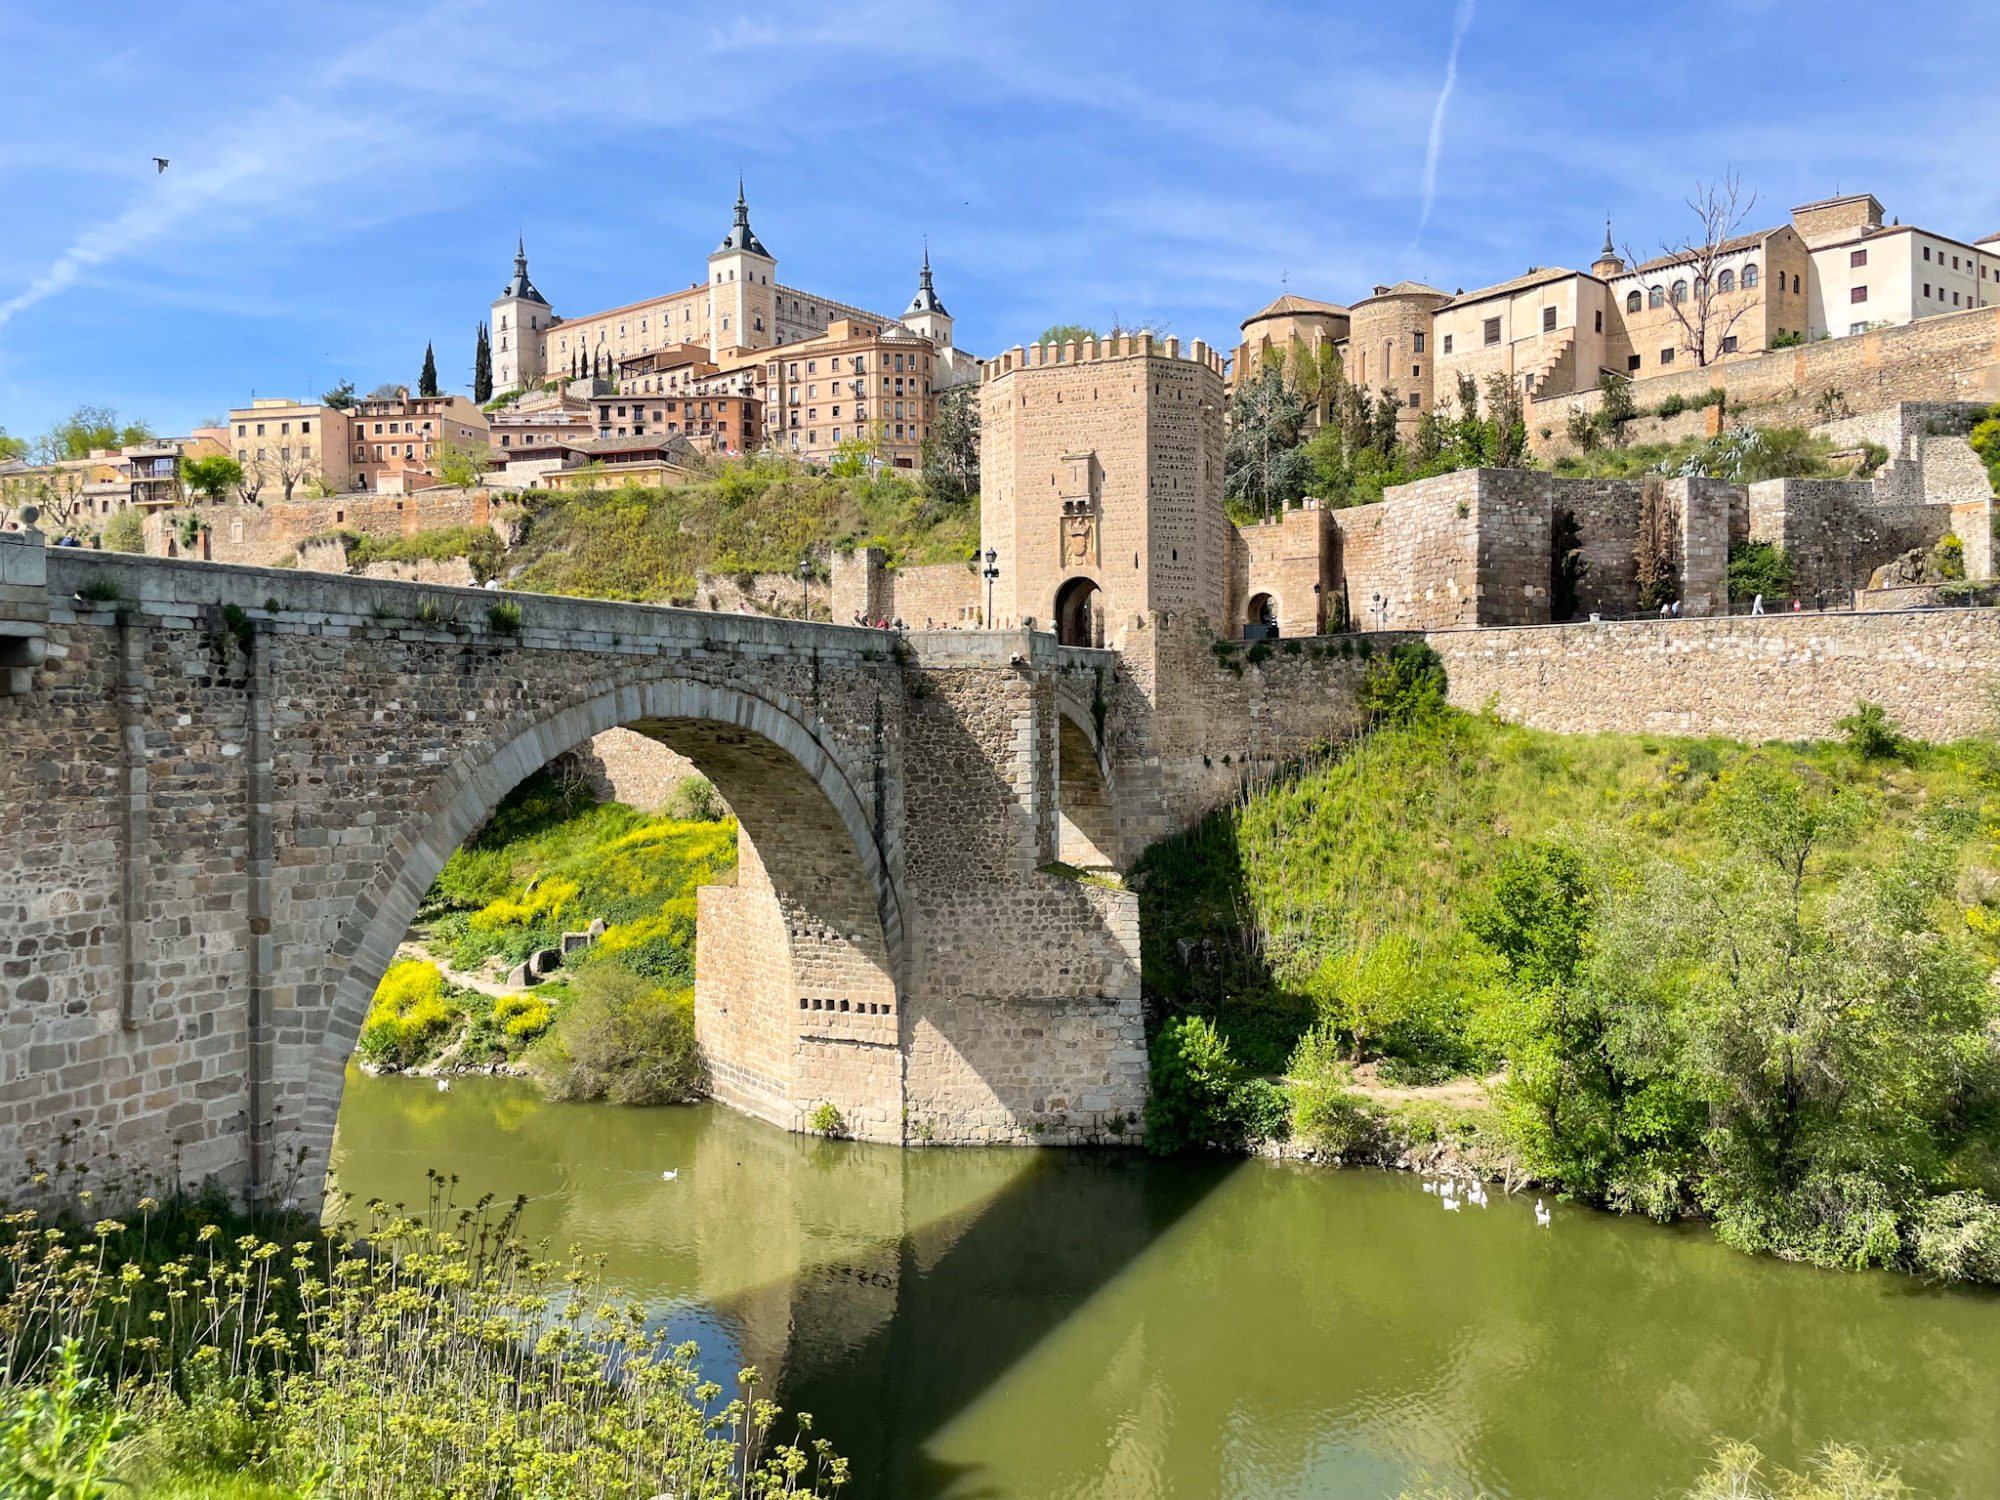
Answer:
[(1106, 1326)]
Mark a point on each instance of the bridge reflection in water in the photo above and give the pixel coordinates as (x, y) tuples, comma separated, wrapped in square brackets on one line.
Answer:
[(1099, 1324)]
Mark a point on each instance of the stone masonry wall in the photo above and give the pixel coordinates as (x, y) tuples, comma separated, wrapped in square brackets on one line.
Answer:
[(1291, 558), (1747, 677)]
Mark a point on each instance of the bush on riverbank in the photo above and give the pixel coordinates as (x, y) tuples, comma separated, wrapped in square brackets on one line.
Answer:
[(194, 1351), (1747, 983), (621, 1037)]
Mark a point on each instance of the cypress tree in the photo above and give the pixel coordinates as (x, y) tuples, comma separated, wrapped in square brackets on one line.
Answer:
[(482, 368), (427, 383)]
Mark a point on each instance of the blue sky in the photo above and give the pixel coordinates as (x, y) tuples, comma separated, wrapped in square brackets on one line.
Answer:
[(347, 181)]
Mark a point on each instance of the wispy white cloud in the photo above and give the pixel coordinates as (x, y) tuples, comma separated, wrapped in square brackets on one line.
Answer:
[(1461, 21)]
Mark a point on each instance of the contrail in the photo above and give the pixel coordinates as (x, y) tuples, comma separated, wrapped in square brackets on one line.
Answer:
[(1459, 24)]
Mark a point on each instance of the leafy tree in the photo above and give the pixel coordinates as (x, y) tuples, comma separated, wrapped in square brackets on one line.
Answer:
[(341, 397), (950, 455), (427, 379), (126, 530), (1066, 333), (482, 367), (1264, 466), (212, 476), (1367, 991), (1403, 686), (388, 390), (85, 429), (12, 447), (1200, 1093), (1869, 730), (462, 468)]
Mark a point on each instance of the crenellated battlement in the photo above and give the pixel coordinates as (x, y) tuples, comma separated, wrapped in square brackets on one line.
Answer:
[(1097, 351)]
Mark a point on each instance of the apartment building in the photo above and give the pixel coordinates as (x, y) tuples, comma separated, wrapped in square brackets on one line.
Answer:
[(1866, 274), (400, 435), (286, 445), (869, 382)]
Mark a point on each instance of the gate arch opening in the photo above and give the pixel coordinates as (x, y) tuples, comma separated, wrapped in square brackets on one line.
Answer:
[(1088, 830), (1080, 613), (1261, 610), (816, 915)]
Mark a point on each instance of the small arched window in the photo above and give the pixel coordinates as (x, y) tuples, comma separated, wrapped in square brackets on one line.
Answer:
[(1632, 300), (1680, 291), (1726, 282), (1750, 275), (1655, 297)]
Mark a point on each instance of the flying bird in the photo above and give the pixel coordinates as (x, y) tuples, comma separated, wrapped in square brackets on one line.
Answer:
[(159, 165)]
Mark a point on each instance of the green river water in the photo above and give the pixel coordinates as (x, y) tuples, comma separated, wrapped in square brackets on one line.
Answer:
[(1018, 1323)]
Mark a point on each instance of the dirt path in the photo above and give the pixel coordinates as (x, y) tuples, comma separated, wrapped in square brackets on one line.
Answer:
[(416, 948), (1461, 1091)]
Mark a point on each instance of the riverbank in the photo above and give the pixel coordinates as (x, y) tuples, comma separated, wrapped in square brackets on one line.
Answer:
[(1748, 985)]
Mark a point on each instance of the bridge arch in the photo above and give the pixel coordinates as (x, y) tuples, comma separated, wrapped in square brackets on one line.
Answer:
[(811, 855), (1088, 809)]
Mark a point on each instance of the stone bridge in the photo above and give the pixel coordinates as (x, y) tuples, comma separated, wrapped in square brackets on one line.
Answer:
[(226, 791)]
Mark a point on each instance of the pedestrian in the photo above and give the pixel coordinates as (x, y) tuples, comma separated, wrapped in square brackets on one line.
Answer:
[(1757, 605), (1664, 608), (1677, 609)]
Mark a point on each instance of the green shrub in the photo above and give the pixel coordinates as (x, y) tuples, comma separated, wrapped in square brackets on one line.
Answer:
[(523, 1017), (505, 617), (1194, 1081), (126, 531), (409, 1017), (621, 1038), (1759, 568), (59, 1441), (694, 799), (1871, 734), (825, 1120), (1406, 685), (1327, 1112)]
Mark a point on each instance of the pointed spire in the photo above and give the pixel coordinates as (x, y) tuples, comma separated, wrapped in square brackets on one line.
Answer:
[(520, 286), (926, 300), (1607, 252), (741, 236)]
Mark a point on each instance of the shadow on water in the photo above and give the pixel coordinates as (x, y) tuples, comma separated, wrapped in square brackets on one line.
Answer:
[(887, 1354)]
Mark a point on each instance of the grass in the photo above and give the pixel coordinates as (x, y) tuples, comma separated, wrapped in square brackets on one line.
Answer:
[(1394, 838), (1791, 453), (754, 517), (478, 546)]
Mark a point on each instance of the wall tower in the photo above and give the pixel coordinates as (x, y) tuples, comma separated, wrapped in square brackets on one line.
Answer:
[(741, 309)]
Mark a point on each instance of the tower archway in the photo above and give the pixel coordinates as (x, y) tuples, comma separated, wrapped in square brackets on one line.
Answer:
[(1079, 613)]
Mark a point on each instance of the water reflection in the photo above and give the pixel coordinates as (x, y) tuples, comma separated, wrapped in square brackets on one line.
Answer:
[(1018, 1323)]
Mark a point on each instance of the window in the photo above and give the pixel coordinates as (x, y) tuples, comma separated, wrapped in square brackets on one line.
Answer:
[(285, 428), (1447, 343), (1927, 292), (1600, 321), (1632, 301), (1491, 333), (1656, 296), (242, 430), (1795, 284), (1750, 276), (1416, 371), (1853, 328), (1548, 320), (1860, 293), (1927, 252), (1954, 299), (1726, 282), (1857, 258), (1680, 291), (1666, 356), (1413, 400), (1954, 262), (305, 427), (260, 429), (1416, 343), (1729, 343), (1632, 360)]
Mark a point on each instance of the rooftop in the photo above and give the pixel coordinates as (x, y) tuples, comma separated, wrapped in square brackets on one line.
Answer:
[(1539, 276), (1292, 304)]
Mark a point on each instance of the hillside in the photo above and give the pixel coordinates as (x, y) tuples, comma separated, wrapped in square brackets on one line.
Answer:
[(759, 516), (1752, 983)]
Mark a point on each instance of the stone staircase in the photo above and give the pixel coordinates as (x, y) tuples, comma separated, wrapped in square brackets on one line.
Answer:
[(1557, 376)]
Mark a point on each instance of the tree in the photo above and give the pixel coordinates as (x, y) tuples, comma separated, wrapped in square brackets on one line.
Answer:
[(459, 467), (341, 397), (1653, 558), (482, 368), (126, 530), (1702, 320), (427, 379), (950, 455), (1066, 333), (12, 447), (212, 476), (1506, 437), (85, 429), (388, 390), (1264, 466)]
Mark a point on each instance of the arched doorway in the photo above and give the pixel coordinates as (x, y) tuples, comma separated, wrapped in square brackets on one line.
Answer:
[(814, 920), (1262, 610), (1080, 613)]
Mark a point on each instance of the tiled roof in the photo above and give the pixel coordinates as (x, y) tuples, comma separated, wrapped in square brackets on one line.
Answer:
[(1291, 303), (1537, 277), (1727, 247)]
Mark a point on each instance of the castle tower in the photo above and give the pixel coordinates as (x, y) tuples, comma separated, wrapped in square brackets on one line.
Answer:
[(741, 309), (520, 313), (926, 315), (1101, 486)]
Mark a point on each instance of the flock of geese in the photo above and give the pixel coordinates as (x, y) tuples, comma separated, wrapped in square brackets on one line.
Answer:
[(1447, 1190)]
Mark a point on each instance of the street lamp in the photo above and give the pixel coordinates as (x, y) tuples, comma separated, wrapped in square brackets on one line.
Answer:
[(991, 573), (805, 588)]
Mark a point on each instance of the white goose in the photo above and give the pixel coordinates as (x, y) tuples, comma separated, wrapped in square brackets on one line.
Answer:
[(1542, 1215)]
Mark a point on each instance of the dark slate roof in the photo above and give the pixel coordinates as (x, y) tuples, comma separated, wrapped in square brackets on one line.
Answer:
[(926, 300), (741, 236), (520, 286)]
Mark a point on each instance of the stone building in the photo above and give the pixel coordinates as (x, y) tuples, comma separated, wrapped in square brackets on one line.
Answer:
[(1389, 348), (1290, 323)]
